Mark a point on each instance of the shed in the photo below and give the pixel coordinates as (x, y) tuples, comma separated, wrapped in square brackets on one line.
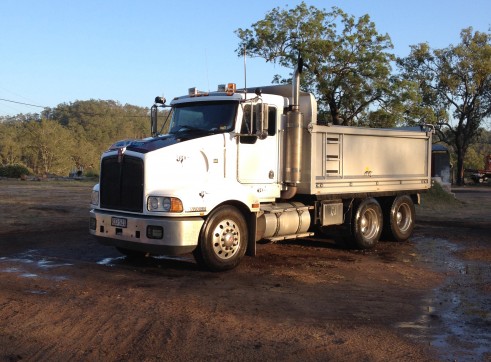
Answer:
[(440, 164)]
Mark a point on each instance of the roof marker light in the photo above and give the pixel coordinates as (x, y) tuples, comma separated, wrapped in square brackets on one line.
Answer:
[(231, 88)]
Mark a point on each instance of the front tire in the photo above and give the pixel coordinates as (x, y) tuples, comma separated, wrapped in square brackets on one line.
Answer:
[(399, 219), (367, 224), (223, 239)]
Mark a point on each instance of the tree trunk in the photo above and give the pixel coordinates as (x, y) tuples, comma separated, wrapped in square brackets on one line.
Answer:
[(460, 167), (336, 117)]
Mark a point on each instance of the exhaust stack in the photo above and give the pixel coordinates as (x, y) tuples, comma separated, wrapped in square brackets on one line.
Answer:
[(293, 139)]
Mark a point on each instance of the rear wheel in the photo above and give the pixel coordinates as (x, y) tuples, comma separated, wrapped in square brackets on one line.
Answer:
[(223, 239), (399, 219), (367, 224)]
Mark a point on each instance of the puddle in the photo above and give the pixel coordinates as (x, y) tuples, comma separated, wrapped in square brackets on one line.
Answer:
[(456, 317), (28, 275), (110, 261), (43, 263), (38, 292), (29, 264), (154, 258)]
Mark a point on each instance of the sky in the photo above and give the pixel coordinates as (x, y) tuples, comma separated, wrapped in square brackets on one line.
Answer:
[(59, 51)]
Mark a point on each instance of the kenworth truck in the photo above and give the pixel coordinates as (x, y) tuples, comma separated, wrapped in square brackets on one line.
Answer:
[(240, 166)]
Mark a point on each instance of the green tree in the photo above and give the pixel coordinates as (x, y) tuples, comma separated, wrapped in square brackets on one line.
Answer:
[(69, 136), (96, 124), (10, 143), (456, 83), (49, 147), (347, 69), (473, 160), (477, 152)]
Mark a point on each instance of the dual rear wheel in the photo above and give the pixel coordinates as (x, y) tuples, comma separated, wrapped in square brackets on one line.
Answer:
[(224, 237), (395, 221)]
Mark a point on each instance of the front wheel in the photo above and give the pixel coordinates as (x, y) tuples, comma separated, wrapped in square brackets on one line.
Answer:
[(223, 239), (399, 219), (367, 224)]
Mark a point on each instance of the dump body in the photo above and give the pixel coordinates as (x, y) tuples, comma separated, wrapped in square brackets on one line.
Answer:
[(349, 160)]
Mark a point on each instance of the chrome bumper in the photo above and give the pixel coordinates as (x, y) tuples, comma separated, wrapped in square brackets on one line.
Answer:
[(179, 235)]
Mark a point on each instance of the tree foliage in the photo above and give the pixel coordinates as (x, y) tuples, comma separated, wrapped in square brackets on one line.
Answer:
[(48, 146), (475, 156), (347, 61), (347, 67), (69, 137), (10, 143), (456, 83)]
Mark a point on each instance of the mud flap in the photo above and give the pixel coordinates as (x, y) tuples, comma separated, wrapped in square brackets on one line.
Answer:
[(251, 243)]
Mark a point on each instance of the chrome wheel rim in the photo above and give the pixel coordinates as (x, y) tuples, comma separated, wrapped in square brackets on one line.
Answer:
[(226, 239), (369, 224), (403, 217)]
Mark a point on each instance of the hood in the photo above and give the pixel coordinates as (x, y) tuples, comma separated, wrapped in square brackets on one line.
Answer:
[(152, 144)]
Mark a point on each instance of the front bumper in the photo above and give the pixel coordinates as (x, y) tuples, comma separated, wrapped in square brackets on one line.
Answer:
[(179, 235)]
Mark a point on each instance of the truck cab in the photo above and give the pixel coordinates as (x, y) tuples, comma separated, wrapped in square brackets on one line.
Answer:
[(221, 154)]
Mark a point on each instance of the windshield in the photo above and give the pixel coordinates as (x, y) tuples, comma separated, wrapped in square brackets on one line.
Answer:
[(207, 117)]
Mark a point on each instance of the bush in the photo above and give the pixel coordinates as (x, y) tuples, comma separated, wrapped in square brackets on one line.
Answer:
[(13, 171), (91, 174), (437, 197)]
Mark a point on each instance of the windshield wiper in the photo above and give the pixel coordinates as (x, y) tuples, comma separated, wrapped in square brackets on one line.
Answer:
[(184, 129)]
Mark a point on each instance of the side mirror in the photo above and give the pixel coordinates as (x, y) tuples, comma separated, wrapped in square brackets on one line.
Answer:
[(262, 120), (160, 100), (154, 111)]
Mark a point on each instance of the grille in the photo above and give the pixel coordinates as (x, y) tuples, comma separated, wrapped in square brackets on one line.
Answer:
[(121, 186)]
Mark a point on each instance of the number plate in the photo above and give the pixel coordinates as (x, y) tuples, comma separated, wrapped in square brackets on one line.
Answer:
[(119, 222)]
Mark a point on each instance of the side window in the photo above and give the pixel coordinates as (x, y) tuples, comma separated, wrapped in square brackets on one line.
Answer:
[(248, 128), (246, 121)]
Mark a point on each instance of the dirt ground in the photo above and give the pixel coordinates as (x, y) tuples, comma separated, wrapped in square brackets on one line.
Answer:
[(65, 297)]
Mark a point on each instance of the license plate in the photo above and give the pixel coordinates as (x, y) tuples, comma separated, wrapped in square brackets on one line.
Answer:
[(119, 222)]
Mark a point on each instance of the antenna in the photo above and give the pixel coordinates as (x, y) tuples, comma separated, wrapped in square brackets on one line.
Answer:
[(206, 64), (245, 71)]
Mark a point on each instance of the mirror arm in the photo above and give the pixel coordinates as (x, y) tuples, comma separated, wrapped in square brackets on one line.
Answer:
[(154, 111), (153, 120)]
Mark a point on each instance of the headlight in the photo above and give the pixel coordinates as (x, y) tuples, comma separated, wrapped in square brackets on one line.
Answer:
[(94, 199), (166, 204)]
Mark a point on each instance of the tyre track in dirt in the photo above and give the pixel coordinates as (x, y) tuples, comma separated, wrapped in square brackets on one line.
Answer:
[(284, 303), (65, 297)]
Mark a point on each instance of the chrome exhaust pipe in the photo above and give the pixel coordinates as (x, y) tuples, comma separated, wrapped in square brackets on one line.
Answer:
[(296, 86), (293, 139)]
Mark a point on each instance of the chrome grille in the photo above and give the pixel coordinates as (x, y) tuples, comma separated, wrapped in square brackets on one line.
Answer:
[(121, 184)]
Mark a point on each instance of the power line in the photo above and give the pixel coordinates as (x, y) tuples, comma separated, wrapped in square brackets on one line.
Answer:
[(25, 104), (80, 112)]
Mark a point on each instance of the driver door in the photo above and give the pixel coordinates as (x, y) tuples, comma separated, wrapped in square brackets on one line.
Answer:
[(258, 158)]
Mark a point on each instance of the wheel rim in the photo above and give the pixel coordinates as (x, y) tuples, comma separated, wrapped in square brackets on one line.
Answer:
[(369, 224), (403, 217), (226, 239)]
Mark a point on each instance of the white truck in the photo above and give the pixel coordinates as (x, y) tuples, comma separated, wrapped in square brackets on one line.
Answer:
[(240, 166)]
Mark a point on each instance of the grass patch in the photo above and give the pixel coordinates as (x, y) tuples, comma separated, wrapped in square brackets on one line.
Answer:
[(437, 198)]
